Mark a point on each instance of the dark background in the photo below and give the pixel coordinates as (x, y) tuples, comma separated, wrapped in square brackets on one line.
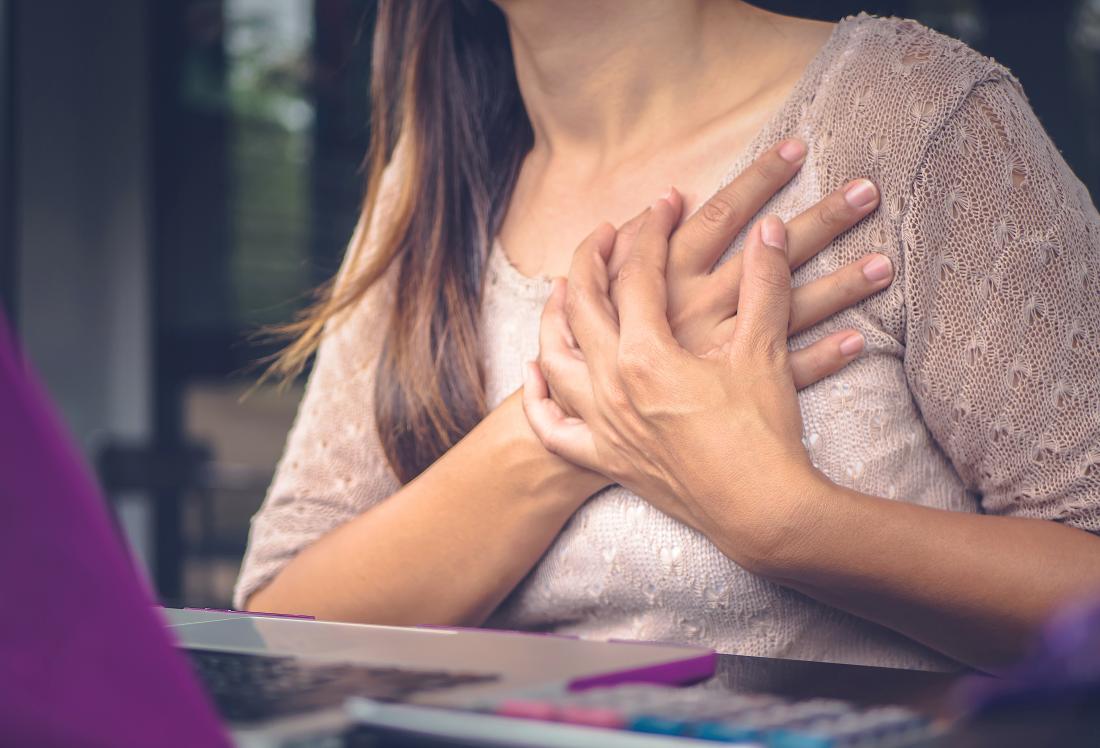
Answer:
[(174, 174)]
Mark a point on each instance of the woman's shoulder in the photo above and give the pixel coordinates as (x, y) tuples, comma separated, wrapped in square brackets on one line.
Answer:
[(885, 87), (891, 53)]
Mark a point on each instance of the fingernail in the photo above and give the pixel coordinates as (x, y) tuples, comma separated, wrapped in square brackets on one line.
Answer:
[(773, 232), (670, 193), (852, 344), (878, 269), (860, 193), (792, 151), (527, 373)]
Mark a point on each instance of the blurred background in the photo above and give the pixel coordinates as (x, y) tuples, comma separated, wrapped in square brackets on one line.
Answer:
[(176, 173)]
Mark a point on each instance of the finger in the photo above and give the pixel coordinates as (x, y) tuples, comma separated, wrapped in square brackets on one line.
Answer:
[(812, 230), (827, 356), (560, 362), (589, 312), (624, 244), (643, 293), (710, 230), (765, 305), (839, 290), (624, 241), (569, 438), (809, 232)]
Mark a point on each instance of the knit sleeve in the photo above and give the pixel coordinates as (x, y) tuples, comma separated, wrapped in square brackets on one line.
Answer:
[(1002, 286), (333, 467)]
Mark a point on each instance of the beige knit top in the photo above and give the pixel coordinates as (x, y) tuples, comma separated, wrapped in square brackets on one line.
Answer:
[(979, 390)]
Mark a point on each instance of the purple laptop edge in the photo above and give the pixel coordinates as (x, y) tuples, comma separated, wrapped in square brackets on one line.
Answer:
[(84, 659)]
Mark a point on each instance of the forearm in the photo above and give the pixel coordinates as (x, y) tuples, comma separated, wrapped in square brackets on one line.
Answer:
[(974, 587), (448, 547)]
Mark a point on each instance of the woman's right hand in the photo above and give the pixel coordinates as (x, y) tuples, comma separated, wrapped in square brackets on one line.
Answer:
[(702, 298)]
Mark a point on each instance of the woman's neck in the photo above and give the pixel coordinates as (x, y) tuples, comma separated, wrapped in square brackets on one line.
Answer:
[(590, 71)]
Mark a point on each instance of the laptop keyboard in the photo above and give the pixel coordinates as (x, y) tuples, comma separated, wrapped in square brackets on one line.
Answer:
[(250, 688), (696, 716)]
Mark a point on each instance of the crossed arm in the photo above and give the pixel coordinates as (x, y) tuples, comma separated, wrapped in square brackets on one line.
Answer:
[(373, 552)]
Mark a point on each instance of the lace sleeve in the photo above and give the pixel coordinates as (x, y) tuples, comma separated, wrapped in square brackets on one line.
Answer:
[(1002, 274), (333, 467)]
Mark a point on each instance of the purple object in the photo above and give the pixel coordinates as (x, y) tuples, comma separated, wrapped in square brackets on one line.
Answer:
[(680, 672), (84, 659), (1063, 667)]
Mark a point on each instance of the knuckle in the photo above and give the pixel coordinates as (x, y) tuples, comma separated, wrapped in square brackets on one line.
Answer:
[(773, 277), (767, 348), (851, 286), (635, 363), (831, 214), (630, 269), (758, 343), (816, 359), (838, 288), (633, 270), (721, 210), (848, 287)]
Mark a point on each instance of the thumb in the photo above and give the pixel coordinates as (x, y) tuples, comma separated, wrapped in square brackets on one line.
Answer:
[(764, 305)]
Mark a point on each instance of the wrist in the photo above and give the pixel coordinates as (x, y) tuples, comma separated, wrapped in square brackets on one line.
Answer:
[(536, 472), (778, 531)]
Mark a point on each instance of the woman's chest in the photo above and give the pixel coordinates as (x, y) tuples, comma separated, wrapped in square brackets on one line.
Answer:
[(861, 425), (861, 428), (512, 304)]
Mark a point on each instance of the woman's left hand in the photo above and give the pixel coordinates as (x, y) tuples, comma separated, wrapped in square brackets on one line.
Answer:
[(714, 440)]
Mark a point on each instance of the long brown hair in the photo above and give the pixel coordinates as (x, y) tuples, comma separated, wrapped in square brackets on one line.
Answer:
[(443, 81)]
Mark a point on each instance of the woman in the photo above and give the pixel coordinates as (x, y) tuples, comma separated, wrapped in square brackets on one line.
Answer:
[(969, 389)]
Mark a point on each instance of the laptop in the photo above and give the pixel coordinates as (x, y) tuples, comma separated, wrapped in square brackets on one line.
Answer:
[(88, 659)]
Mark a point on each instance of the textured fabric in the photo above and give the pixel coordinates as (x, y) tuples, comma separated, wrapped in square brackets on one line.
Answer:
[(978, 390)]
